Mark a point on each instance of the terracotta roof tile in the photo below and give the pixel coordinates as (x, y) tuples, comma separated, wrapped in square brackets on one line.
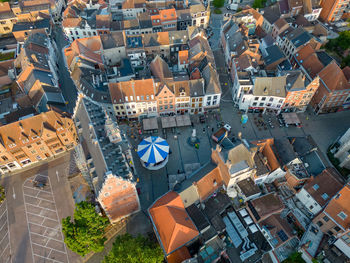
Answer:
[(334, 77), (168, 14), (274, 224), (183, 57), (163, 38), (71, 22), (172, 223), (209, 183), (121, 201), (266, 148), (179, 255), (267, 205), (346, 72), (328, 182), (142, 88), (280, 23), (340, 203)]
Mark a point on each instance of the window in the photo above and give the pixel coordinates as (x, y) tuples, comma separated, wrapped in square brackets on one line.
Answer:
[(254, 103), (325, 218), (256, 98), (261, 104), (319, 223), (263, 98), (346, 238), (342, 215), (271, 99), (4, 158), (311, 207), (337, 228), (325, 196), (315, 187), (106, 194)]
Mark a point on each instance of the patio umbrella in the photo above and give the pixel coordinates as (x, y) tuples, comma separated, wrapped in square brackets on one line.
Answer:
[(153, 149)]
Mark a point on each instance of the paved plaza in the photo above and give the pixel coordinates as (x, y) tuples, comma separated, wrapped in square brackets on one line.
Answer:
[(34, 212), (153, 184), (44, 228)]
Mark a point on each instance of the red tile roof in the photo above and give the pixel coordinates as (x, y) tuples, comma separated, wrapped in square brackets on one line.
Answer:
[(334, 77), (172, 223), (338, 205), (209, 183), (328, 182), (267, 205)]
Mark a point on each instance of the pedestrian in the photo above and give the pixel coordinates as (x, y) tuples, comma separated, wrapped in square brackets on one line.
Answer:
[(178, 171), (212, 129)]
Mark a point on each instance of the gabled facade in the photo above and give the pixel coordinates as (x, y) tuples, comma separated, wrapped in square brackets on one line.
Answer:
[(105, 160), (319, 190), (35, 139)]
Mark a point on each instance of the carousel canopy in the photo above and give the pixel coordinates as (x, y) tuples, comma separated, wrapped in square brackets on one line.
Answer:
[(153, 149)]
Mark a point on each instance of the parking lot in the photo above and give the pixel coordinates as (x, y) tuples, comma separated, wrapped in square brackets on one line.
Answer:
[(43, 223), (5, 247), (34, 213)]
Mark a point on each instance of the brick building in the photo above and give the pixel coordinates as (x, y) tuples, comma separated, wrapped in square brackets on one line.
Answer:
[(332, 10), (34, 139), (333, 90)]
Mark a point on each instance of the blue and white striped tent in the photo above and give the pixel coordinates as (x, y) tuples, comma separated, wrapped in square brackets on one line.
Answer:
[(153, 150)]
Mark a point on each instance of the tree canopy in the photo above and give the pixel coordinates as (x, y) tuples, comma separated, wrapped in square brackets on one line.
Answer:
[(341, 46), (294, 258), (85, 233), (259, 4), (127, 249), (218, 3)]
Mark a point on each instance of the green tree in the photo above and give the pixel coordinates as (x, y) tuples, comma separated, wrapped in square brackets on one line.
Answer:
[(294, 258), (218, 3), (2, 194), (259, 4), (127, 249), (85, 233)]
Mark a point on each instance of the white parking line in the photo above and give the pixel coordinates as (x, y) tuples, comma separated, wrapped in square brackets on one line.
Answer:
[(43, 227), (3, 225), (36, 189), (4, 250), (47, 237), (47, 258), (43, 217), (4, 204), (39, 198), (48, 209), (48, 248)]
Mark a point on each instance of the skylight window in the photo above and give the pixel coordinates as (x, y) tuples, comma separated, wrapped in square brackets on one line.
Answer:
[(316, 187)]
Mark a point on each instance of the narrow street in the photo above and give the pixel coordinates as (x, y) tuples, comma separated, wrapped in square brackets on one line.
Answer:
[(66, 83)]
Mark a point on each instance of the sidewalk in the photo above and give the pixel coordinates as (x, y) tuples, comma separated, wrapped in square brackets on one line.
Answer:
[(37, 164)]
